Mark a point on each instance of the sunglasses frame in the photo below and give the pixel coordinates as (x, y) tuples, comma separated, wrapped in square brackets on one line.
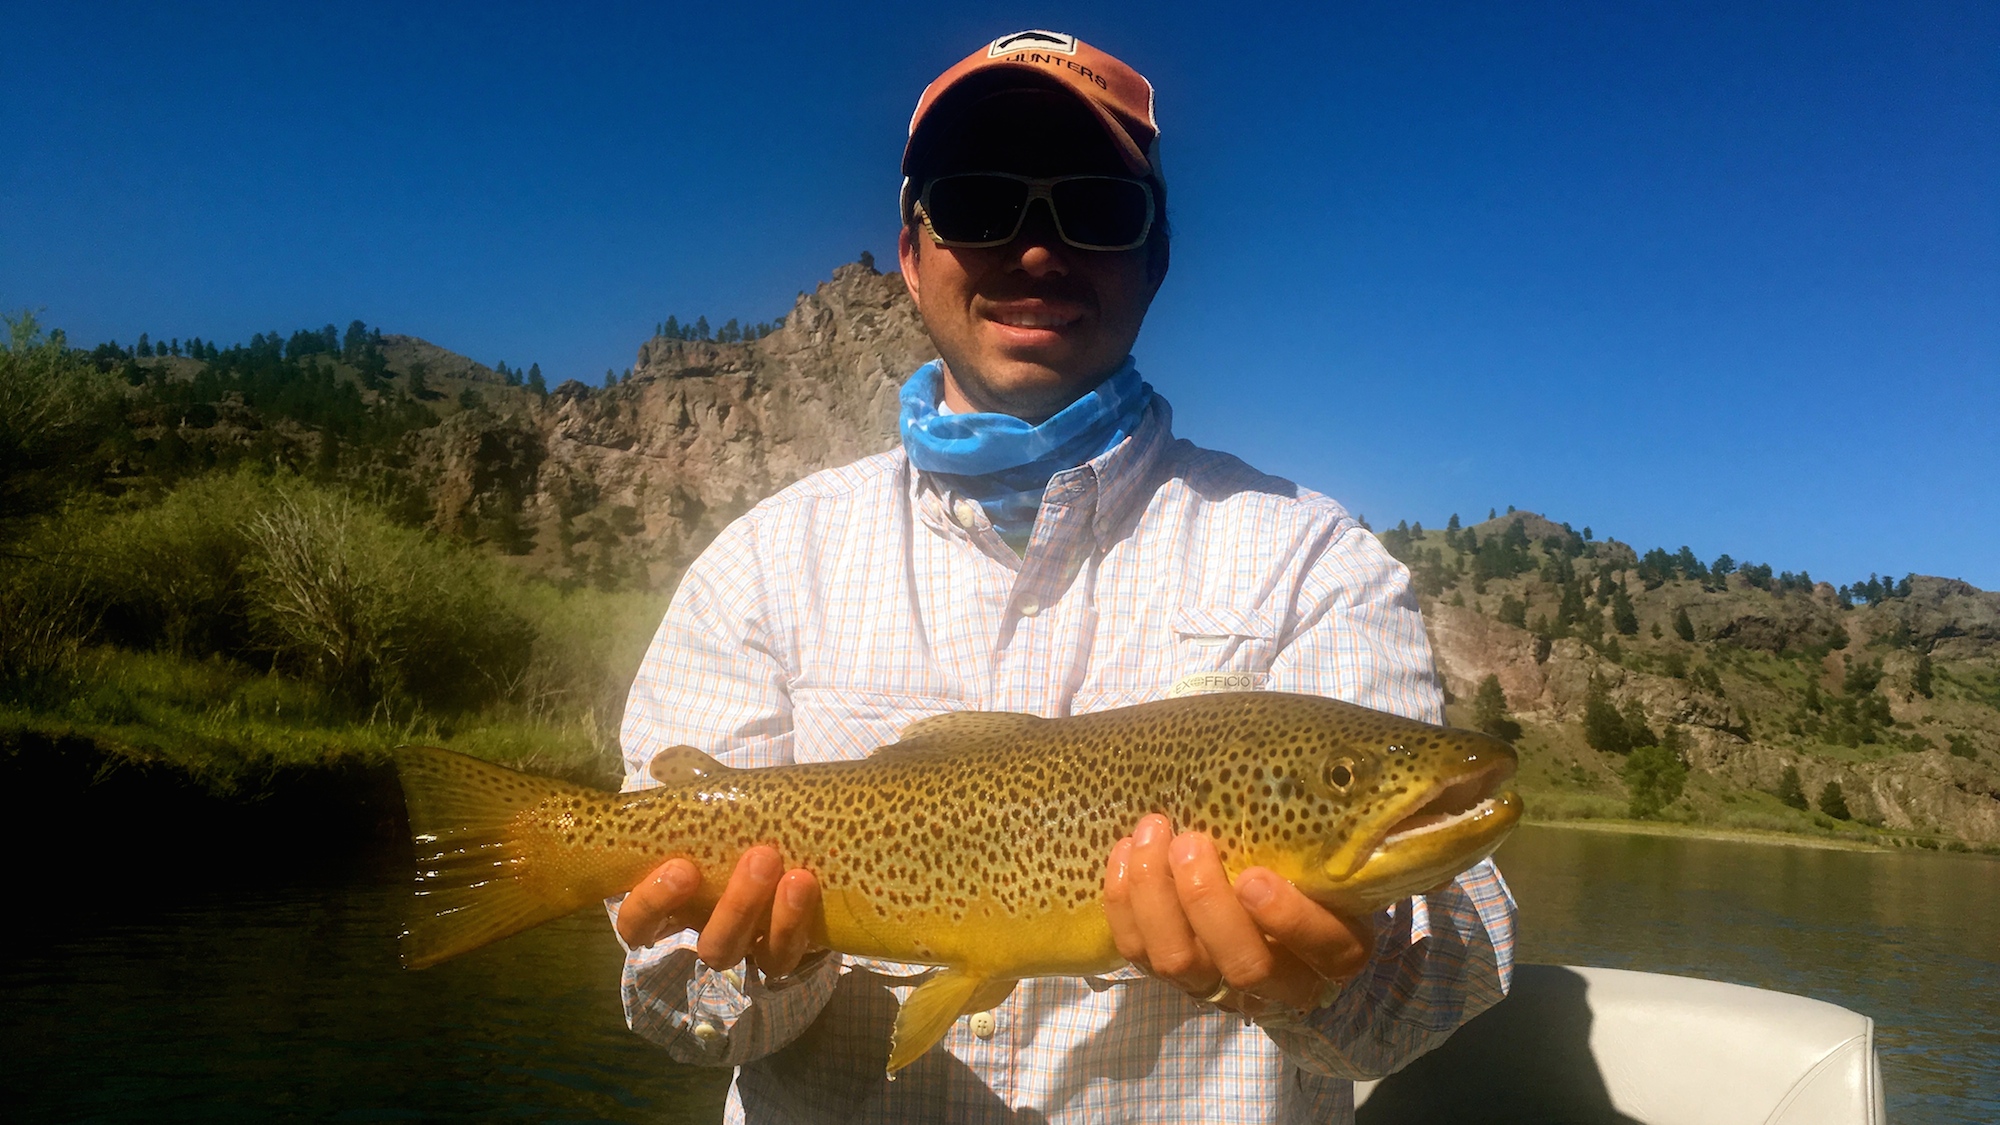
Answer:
[(1042, 188)]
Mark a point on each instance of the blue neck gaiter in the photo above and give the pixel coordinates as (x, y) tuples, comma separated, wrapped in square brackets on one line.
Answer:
[(1005, 463)]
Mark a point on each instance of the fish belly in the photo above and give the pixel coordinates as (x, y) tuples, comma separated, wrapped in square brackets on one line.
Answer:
[(983, 936)]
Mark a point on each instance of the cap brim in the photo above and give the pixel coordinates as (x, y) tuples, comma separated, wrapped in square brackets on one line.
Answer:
[(1003, 75)]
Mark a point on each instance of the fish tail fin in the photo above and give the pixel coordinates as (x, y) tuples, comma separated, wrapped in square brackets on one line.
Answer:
[(935, 1005), (462, 819)]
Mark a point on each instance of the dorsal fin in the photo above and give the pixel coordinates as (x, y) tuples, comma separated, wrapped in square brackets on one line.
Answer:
[(680, 765), (969, 726)]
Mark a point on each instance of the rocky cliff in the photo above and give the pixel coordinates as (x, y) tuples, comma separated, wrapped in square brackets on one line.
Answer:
[(625, 484), (1898, 702)]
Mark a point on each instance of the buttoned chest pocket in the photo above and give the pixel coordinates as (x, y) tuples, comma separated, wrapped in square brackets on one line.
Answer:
[(1223, 639), (1204, 648)]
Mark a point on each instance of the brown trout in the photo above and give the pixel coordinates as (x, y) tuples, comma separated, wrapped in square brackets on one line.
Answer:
[(978, 841)]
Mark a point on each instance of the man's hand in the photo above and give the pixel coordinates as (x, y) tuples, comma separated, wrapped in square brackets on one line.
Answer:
[(765, 912), (1173, 913)]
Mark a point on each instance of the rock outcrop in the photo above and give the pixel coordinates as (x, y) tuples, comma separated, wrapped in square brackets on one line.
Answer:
[(628, 483), (1737, 688)]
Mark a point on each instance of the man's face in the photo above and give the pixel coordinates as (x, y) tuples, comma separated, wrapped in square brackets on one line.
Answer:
[(1027, 328)]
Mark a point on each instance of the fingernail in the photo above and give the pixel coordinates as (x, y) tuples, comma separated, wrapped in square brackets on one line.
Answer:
[(764, 864), (795, 894), (677, 878), (1255, 891), (1148, 832), (1186, 849)]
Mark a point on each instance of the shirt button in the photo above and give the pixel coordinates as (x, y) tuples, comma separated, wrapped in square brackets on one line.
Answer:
[(708, 1033), (984, 1025), (1030, 607), (967, 514)]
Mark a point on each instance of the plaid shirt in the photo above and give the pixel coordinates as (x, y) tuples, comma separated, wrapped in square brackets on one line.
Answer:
[(863, 598)]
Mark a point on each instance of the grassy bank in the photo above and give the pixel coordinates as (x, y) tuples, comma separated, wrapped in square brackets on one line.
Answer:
[(1764, 821)]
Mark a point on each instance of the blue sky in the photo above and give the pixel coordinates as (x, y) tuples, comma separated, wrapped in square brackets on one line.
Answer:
[(1718, 274)]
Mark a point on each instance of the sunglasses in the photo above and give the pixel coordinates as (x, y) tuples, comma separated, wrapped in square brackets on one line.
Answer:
[(973, 210)]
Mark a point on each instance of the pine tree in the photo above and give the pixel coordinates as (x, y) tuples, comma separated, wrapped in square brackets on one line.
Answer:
[(1790, 791), (1624, 618), (673, 329), (1571, 610), (1603, 727), (1489, 710), (1683, 628), (145, 346), (1921, 678), (701, 327), (1513, 611), (1637, 731), (535, 381), (1833, 802)]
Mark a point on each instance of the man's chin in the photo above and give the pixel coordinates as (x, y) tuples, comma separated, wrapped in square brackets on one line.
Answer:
[(1026, 387)]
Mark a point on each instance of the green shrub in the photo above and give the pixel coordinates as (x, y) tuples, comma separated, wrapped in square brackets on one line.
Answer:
[(55, 409), (1833, 802), (376, 612), (1655, 778)]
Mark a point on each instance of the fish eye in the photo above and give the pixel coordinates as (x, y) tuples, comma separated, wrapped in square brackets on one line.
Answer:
[(1339, 775)]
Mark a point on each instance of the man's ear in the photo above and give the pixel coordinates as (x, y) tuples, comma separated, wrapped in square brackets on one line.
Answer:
[(906, 253)]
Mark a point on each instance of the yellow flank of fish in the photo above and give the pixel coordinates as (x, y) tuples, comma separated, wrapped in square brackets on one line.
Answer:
[(977, 842)]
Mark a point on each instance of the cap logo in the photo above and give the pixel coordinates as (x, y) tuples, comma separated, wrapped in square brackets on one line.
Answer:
[(1032, 41)]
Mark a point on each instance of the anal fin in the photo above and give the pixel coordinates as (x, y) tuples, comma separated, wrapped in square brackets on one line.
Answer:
[(929, 1012)]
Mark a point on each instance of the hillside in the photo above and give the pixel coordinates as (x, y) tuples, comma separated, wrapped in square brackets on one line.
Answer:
[(1621, 669), (1896, 700)]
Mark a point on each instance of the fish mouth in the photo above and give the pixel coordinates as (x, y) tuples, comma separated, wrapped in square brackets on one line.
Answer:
[(1449, 804), (1448, 827)]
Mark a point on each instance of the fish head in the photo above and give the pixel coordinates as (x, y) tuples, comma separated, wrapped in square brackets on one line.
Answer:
[(1383, 806)]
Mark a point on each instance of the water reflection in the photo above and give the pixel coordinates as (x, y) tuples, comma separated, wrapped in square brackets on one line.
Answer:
[(1911, 939), (272, 1007), (235, 1006)]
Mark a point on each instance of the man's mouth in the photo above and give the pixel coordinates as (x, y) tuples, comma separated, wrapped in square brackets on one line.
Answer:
[(1031, 318)]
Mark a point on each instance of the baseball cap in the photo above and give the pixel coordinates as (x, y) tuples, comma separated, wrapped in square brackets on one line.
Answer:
[(1119, 97)]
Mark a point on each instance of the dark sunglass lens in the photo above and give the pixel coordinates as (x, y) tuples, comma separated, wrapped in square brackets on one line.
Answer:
[(975, 208), (1103, 211)]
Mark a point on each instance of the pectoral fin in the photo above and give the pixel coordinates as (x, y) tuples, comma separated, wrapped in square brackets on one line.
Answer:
[(989, 996), (683, 765), (930, 1010)]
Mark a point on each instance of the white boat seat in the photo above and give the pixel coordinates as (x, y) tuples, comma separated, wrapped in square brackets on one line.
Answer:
[(1610, 1047)]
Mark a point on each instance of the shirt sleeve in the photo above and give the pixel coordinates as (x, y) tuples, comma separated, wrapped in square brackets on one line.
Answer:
[(715, 677), (1439, 959)]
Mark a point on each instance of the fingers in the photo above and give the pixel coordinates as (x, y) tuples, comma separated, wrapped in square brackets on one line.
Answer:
[(793, 913), (1332, 947), (1243, 955), (1172, 951), (647, 914), (1233, 942), (1118, 904), (743, 910)]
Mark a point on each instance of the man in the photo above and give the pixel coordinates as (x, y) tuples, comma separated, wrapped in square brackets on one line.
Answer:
[(1042, 544)]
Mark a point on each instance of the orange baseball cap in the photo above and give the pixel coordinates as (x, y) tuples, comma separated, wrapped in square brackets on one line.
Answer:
[(1120, 97)]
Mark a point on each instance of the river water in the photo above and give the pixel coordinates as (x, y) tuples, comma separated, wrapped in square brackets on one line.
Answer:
[(288, 1005)]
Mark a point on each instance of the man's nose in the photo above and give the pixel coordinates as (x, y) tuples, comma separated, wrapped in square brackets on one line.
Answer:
[(1039, 250)]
